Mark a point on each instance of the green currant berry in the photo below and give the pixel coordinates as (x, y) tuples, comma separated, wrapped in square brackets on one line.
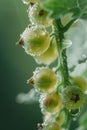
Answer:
[(72, 97), (44, 80), (51, 125), (50, 102), (48, 56), (61, 117), (80, 82), (38, 16), (36, 40)]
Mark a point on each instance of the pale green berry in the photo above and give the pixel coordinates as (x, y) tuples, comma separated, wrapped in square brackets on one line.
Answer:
[(80, 82), (36, 40), (44, 80), (73, 97), (38, 16), (50, 102), (60, 118), (51, 125), (48, 56)]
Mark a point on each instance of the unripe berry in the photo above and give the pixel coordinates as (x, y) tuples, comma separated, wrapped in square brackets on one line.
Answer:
[(51, 125), (48, 56), (36, 40), (60, 118), (50, 102), (72, 97), (44, 80), (80, 82), (38, 16)]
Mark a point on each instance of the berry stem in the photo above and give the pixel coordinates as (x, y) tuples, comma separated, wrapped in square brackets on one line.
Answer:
[(65, 68), (66, 125), (62, 59)]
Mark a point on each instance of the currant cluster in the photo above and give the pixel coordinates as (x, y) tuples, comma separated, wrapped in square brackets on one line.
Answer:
[(61, 96)]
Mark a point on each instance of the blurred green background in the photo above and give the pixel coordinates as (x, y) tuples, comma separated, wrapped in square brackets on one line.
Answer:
[(15, 67)]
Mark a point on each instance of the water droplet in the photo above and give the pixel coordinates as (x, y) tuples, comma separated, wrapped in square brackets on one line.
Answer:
[(66, 43)]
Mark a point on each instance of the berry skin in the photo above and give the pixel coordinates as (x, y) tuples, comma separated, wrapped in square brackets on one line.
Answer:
[(51, 125), (44, 80), (36, 40), (72, 97), (38, 16), (48, 56), (80, 82), (50, 102)]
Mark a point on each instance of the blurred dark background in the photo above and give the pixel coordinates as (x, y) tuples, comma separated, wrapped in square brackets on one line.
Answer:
[(15, 67)]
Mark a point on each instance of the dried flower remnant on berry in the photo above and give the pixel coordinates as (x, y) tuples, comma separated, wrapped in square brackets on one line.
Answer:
[(39, 126), (41, 12), (75, 97)]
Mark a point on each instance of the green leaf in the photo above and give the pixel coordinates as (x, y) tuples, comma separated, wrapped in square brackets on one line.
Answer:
[(83, 6), (84, 16), (57, 8)]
